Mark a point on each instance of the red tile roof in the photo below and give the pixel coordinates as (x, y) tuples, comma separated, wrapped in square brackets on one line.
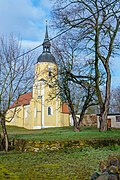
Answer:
[(23, 99), (65, 108)]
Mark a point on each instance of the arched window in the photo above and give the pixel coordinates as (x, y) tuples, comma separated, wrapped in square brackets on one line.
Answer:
[(49, 111)]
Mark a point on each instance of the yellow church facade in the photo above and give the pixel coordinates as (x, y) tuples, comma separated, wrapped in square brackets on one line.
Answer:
[(41, 108)]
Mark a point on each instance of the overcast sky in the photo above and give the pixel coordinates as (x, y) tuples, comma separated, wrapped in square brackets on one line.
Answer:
[(26, 18)]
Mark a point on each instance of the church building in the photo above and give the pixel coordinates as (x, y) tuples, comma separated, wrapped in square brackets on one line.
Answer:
[(38, 109)]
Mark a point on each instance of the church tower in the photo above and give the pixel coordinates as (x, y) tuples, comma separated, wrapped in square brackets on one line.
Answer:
[(47, 109)]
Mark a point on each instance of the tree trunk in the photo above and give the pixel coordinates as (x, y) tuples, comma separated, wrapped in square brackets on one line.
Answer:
[(5, 135), (76, 125), (103, 120), (105, 108), (82, 115), (76, 128)]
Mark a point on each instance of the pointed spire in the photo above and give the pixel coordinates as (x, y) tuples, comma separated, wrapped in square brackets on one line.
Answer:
[(46, 43), (46, 33)]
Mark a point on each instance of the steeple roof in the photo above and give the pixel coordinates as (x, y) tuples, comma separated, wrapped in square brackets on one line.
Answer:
[(46, 55), (46, 33), (46, 43)]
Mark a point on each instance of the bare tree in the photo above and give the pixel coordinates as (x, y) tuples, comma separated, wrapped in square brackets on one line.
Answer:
[(115, 100), (96, 24), (16, 77), (72, 90)]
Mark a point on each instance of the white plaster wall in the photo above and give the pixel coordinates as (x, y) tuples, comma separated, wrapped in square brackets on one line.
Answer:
[(114, 124)]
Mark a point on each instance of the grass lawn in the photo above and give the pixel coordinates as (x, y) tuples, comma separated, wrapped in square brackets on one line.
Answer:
[(64, 164), (69, 164), (62, 133)]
